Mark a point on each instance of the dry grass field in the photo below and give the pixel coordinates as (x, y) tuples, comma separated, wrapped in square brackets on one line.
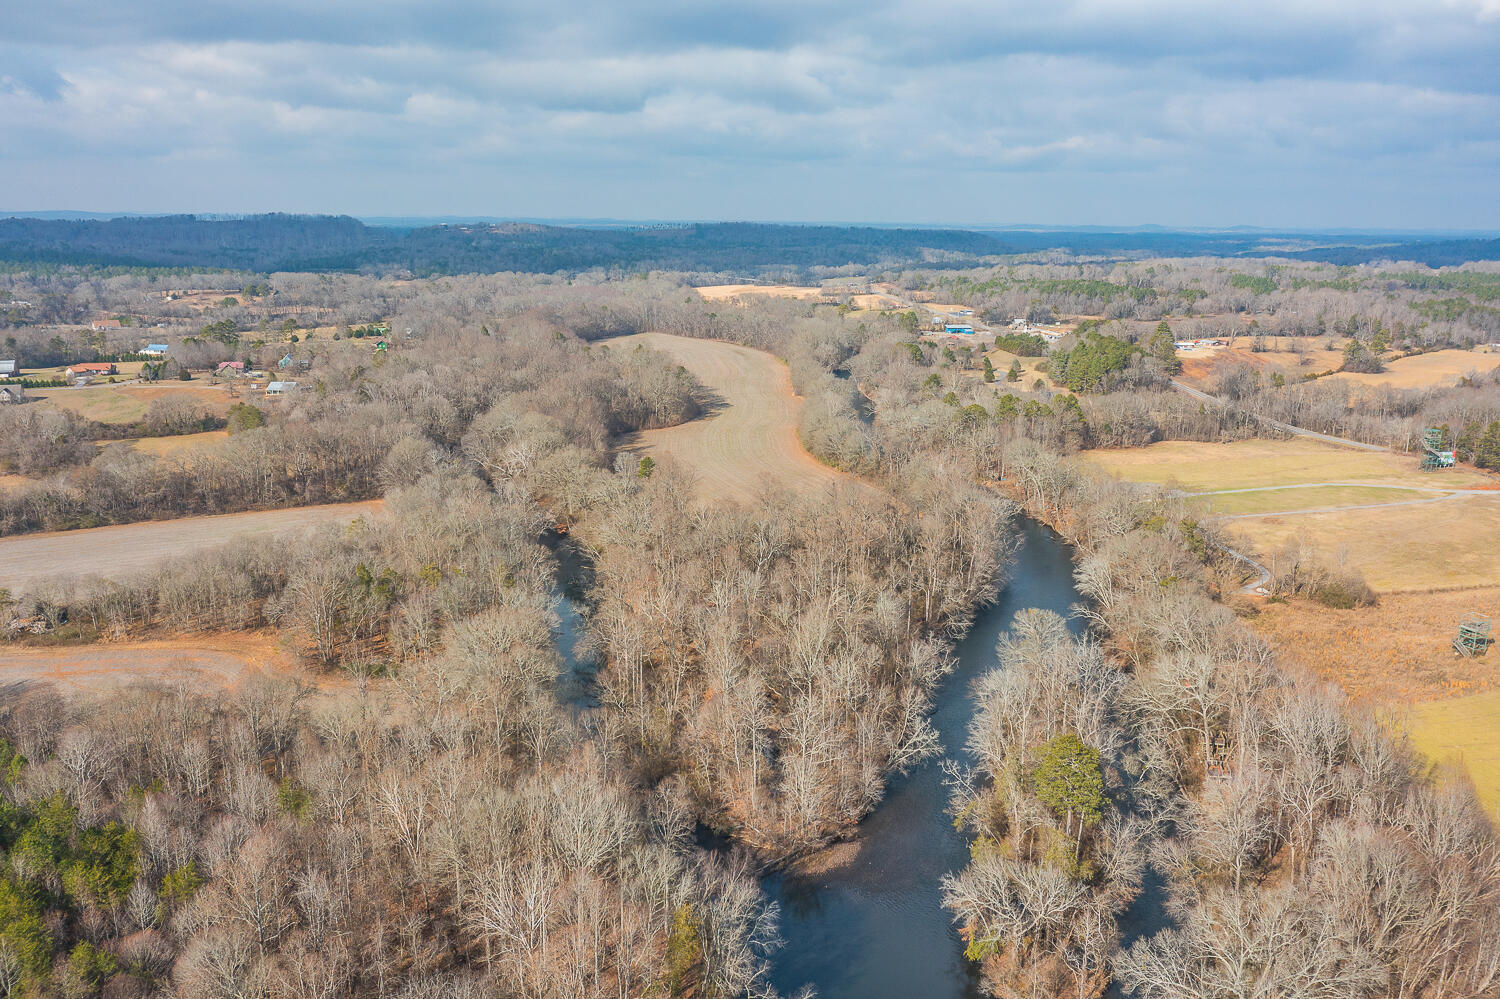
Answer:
[(1202, 367), (179, 444), (1002, 360), (750, 444), (129, 548), (1395, 652), (1439, 368), (1197, 467), (725, 292), (124, 369), (201, 661), (128, 403), (1464, 731), (1445, 545)]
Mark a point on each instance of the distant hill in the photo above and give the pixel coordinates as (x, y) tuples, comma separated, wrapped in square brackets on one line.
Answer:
[(321, 242)]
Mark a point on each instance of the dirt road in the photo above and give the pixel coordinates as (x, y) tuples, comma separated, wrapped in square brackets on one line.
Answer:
[(1202, 396), (129, 548), (748, 442)]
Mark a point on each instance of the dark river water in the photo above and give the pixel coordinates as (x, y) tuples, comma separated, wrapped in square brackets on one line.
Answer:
[(876, 929)]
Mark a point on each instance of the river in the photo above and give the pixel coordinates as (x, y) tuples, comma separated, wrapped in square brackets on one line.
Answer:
[(876, 928)]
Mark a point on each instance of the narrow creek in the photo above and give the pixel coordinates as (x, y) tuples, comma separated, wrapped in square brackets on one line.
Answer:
[(875, 927)]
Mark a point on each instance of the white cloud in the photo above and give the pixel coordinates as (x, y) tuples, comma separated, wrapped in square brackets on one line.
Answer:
[(909, 106)]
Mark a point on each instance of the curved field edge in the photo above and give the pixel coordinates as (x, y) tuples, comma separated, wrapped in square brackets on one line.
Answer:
[(748, 445)]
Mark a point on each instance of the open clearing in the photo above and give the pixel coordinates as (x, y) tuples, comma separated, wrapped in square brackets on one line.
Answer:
[(1426, 540), (1449, 544), (750, 444), (1202, 367), (1197, 467), (125, 549), (1003, 359), (1464, 731), (1397, 651), (202, 661), (1439, 368), (724, 292), (128, 403), (174, 445)]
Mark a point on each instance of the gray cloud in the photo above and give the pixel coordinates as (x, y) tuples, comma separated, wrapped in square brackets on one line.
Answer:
[(945, 110)]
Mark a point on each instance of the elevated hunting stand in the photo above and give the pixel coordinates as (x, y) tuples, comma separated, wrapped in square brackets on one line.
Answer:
[(1473, 636), (1433, 455)]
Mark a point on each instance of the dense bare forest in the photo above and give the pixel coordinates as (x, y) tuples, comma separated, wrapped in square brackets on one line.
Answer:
[(445, 815)]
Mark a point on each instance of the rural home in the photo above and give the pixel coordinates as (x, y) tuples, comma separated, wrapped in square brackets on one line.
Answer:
[(293, 363), (155, 349), (281, 388), (91, 368), (9, 369), (99, 325), (231, 368), (12, 393)]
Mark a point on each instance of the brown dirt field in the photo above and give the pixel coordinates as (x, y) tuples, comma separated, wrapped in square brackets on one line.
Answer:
[(203, 661), (1446, 545), (128, 403), (1439, 368), (874, 303), (126, 549), (16, 482), (751, 443), (725, 292), (1397, 651)]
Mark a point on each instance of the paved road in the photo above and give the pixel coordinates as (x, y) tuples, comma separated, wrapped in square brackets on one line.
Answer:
[(1202, 396)]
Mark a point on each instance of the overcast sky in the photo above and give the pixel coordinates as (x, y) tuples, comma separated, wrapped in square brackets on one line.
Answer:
[(1356, 113)]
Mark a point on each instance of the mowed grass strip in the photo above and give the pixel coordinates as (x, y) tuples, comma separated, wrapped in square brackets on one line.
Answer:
[(1270, 501), (1466, 731), (1194, 466)]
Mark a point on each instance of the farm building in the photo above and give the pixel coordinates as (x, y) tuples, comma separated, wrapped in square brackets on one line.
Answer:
[(9, 369), (12, 393), (100, 325), (90, 368), (231, 368), (281, 388), (963, 329), (155, 349)]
